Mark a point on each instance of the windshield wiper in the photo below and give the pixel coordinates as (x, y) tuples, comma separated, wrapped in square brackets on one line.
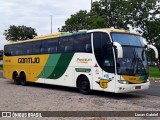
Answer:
[(137, 65), (133, 64), (144, 69)]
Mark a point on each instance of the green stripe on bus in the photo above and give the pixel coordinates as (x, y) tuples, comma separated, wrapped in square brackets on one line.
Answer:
[(61, 66), (67, 34), (145, 77), (50, 66)]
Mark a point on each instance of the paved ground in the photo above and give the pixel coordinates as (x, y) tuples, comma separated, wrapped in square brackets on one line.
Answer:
[(154, 89), (38, 97)]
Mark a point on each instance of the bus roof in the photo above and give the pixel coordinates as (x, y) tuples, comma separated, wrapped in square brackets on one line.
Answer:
[(62, 34), (110, 30), (41, 37)]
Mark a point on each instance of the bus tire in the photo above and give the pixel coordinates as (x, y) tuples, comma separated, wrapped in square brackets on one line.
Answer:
[(83, 85), (23, 79), (16, 78)]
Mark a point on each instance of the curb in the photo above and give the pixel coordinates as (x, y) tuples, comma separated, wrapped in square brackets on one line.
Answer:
[(155, 79)]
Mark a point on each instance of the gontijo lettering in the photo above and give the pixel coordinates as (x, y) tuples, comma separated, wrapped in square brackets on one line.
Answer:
[(29, 60)]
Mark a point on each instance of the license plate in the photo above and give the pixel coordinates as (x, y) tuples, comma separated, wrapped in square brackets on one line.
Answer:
[(138, 87)]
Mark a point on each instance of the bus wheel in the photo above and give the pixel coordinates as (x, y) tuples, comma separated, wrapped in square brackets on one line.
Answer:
[(83, 85), (23, 79), (15, 78)]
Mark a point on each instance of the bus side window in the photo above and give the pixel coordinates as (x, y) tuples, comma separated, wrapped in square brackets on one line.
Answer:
[(7, 50), (50, 46), (12, 53), (88, 48), (82, 43), (42, 50), (66, 44), (36, 47), (29, 52), (27, 48), (17, 49), (77, 46), (52, 49), (18, 53), (68, 48)]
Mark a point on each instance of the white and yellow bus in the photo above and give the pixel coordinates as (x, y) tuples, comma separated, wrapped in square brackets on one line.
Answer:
[(108, 60)]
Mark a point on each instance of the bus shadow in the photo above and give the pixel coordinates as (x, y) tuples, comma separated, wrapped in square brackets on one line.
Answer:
[(101, 94), (1, 74), (118, 96), (48, 86), (54, 87)]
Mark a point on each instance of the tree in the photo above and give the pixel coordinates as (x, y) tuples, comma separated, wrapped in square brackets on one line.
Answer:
[(140, 15), (152, 34), (116, 14), (104, 14), (16, 33), (76, 22)]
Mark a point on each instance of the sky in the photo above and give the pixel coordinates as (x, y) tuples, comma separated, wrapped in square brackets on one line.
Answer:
[(37, 14)]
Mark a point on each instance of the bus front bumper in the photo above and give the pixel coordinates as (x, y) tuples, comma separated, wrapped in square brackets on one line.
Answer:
[(123, 88)]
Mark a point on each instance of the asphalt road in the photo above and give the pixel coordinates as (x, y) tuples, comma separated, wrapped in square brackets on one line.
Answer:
[(154, 89)]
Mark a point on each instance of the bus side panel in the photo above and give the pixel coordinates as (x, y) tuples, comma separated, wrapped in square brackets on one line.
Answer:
[(85, 71), (10, 64), (82, 65), (97, 74), (7, 70), (21, 68), (34, 71), (57, 69), (10, 69), (36, 68), (65, 80)]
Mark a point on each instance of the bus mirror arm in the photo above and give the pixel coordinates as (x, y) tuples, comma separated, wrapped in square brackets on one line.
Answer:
[(151, 47), (156, 54), (119, 49), (155, 50)]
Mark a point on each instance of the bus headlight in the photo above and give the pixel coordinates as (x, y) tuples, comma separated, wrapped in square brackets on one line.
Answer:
[(123, 82)]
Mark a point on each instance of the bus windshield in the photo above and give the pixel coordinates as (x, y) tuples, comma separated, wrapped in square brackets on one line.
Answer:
[(134, 61)]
